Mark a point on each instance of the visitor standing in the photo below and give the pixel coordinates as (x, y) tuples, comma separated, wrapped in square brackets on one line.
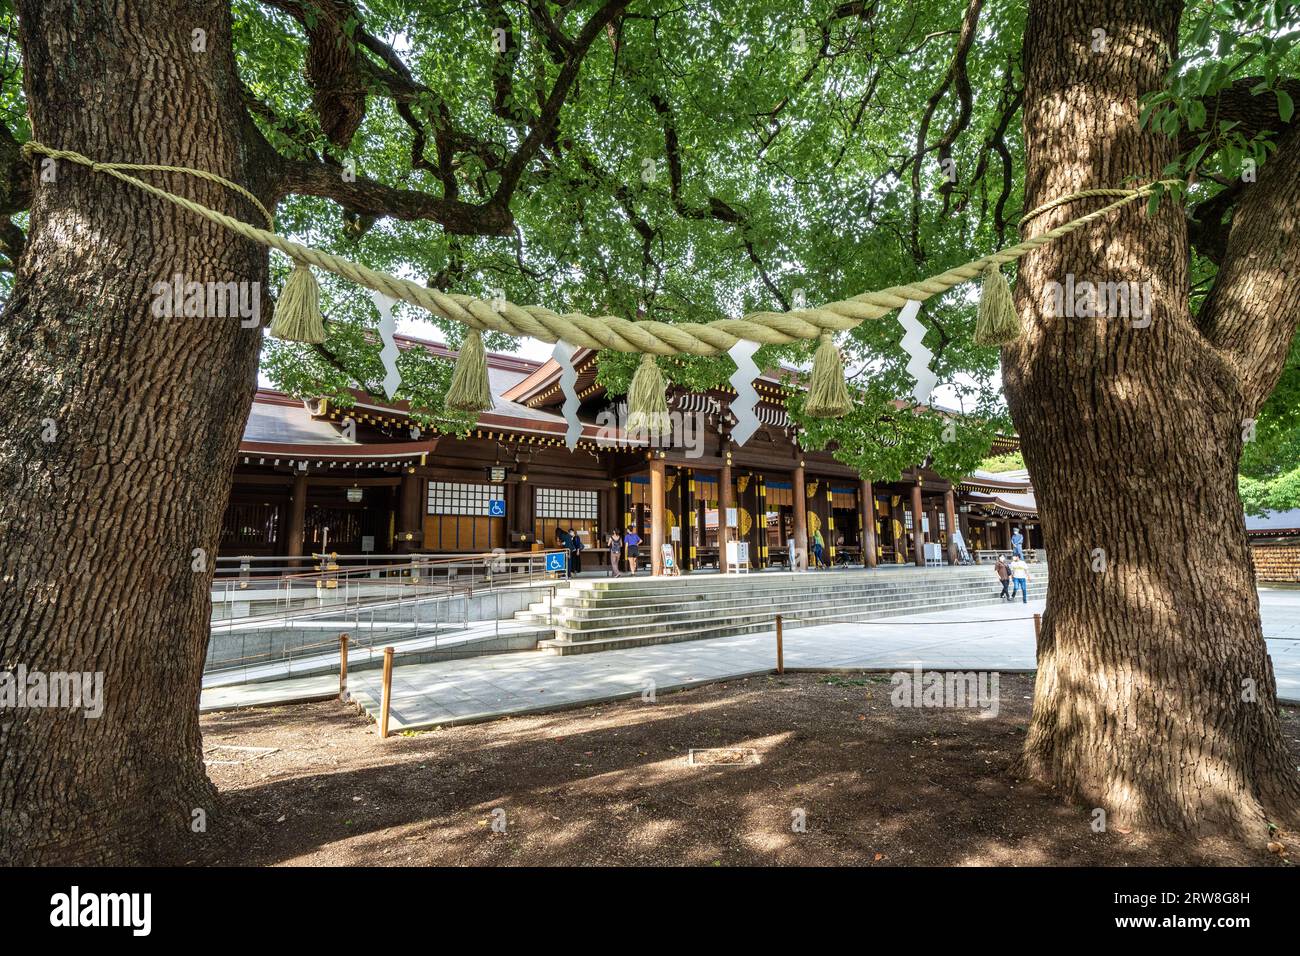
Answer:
[(633, 542), (1019, 579), (819, 549), (575, 551), (615, 542), (1018, 543)]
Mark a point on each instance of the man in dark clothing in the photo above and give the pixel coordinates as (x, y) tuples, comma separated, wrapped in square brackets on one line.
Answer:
[(575, 551), (1004, 575)]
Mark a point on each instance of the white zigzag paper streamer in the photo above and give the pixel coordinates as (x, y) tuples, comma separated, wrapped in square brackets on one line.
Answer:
[(563, 354), (742, 353), (388, 354), (913, 345)]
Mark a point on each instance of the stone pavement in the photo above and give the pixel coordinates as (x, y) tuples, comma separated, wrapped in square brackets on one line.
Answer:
[(463, 691)]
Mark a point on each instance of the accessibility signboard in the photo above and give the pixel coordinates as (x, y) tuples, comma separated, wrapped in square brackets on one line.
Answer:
[(557, 561), (496, 508)]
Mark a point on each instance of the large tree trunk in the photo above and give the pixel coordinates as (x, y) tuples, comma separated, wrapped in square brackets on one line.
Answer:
[(1155, 698), (119, 428)]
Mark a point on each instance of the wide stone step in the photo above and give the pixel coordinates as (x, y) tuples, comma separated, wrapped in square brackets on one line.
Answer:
[(759, 619), (665, 615), (561, 646), (724, 602), (588, 599), (765, 579)]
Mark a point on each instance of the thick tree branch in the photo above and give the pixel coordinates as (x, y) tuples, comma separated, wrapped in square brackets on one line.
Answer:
[(335, 68), (366, 197), (544, 128), (956, 74), (1253, 311)]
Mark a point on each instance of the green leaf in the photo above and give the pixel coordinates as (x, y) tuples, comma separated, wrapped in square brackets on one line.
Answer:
[(1284, 105)]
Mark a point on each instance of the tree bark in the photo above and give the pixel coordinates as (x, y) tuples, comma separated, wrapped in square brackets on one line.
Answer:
[(119, 427), (1155, 698)]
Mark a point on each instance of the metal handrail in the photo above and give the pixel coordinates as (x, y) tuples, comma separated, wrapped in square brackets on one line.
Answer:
[(355, 598), (349, 587)]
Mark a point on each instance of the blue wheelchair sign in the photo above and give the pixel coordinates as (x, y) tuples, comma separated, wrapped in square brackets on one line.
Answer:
[(557, 561), (496, 508)]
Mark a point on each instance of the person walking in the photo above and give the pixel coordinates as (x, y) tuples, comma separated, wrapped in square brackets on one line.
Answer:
[(633, 542), (819, 549), (1004, 575), (615, 543), (1017, 543), (1019, 579)]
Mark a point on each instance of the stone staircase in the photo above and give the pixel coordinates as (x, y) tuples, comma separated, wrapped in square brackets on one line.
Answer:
[(611, 614)]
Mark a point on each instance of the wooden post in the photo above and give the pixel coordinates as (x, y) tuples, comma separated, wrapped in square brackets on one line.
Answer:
[(918, 534), (343, 667), (1038, 635), (780, 651), (950, 520), (868, 512), (800, 499), (725, 502), (657, 533), (409, 529), (388, 691), (297, 518)]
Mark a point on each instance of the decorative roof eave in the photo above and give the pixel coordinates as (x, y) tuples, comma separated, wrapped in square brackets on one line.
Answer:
[(992, 488), (545, 380), (374, 452)]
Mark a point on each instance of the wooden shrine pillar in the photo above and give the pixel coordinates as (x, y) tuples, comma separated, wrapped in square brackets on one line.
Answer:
[(686, 518), (950, 519), (297, 523), (658, 535), (867, 514), (760, 521), (513, 530), (611, 517), (409, 532), (726, 500), (829, 534), (799, 494), (918, 532), (524, 505)]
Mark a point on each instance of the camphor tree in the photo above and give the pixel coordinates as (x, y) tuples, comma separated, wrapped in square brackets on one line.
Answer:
[(668, 161)]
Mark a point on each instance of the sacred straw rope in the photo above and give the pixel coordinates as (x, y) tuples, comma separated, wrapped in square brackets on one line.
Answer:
[(611, 331)]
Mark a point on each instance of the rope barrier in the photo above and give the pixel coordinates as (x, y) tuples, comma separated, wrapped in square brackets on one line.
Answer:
[(610, 331)]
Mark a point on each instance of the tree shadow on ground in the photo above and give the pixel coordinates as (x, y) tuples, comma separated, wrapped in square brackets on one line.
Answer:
[(610, 784)]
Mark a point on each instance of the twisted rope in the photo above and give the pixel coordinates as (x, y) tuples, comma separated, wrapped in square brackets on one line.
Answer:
[(612, 331)]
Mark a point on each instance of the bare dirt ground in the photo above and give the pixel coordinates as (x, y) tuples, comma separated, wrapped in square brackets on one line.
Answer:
[(613, 784)]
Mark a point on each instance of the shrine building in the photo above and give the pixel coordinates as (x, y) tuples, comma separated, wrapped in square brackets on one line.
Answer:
[(313, 477)]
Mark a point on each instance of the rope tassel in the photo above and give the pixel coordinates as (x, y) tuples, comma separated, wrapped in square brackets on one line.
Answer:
[(828, 394), (647, 399), (998, 322), (469, 391), (297, 311)]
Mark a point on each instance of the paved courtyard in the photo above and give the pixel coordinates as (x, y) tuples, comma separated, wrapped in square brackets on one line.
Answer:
[(993, 637)]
